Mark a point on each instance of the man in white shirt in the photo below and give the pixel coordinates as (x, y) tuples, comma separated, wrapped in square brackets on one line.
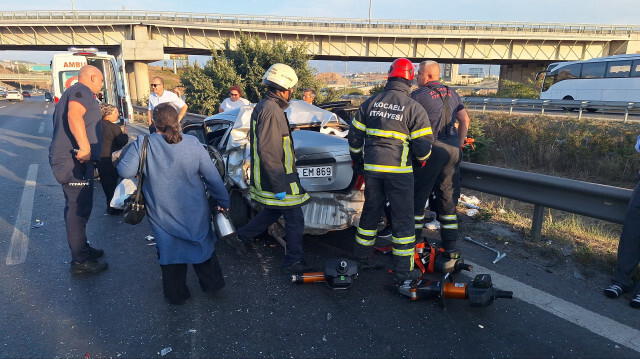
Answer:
[(158, 96)]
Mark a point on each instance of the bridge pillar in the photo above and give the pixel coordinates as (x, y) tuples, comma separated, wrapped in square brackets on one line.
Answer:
[(619, 47), (520, 72), (137, 53)]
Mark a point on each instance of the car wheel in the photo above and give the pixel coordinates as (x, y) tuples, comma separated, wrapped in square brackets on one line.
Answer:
[(568, 109), (217, 160), (239, 209)]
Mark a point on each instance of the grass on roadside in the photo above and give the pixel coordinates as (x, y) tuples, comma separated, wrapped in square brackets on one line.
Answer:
[(591, 243)]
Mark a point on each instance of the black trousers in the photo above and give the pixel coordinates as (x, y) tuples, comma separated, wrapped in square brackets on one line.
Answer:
[(399, 193), (78, 196), (629, 247), (174, 278), (293, 225), (439, 176), (108, 177)]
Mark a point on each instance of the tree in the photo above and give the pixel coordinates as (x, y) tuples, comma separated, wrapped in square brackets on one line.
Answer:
[(244, 66), (377, 89), (513, 89)]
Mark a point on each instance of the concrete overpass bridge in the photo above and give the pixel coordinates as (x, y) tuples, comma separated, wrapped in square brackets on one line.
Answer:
[(143, 36), (17, 80)]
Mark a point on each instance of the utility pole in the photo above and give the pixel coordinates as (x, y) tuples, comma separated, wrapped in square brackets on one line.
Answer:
[(345, 77), (370, 12)]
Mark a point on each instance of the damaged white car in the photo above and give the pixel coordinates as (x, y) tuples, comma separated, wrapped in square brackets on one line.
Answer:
[(322, 159)]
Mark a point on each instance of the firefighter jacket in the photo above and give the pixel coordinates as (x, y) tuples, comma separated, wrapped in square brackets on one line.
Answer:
[(434, 96), (390, 128), (273, 160)]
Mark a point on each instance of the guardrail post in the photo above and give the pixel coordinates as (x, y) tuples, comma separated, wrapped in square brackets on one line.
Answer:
[(513, 102), (536, 223), (544, 103), (626, 112), (484, 106), (583, 104)]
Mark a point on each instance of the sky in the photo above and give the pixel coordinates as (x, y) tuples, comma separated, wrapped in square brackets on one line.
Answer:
[(623, 12)]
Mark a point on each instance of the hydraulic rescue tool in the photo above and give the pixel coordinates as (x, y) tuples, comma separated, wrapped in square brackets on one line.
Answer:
[(338, 273), (431, 259), (480, 291)]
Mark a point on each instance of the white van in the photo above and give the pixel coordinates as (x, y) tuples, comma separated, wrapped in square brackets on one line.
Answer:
[(65, 68)]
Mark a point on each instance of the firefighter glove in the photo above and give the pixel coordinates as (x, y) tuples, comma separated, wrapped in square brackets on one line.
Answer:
[(280, 196), (357, 164)]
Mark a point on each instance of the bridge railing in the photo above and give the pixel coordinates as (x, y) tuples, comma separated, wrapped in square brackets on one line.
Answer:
[(623, 107), (18, 17), (584, 198)]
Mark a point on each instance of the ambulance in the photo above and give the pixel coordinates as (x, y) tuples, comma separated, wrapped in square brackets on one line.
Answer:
[(65, 68)]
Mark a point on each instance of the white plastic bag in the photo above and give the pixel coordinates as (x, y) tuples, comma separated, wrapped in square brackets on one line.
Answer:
[(124, 189)]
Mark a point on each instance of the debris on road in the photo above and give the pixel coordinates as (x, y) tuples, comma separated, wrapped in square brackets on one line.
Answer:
[(38, 224), (165, 351)]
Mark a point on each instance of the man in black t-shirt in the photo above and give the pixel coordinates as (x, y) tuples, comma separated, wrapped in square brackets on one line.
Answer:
[(441, 174), (75, 146)]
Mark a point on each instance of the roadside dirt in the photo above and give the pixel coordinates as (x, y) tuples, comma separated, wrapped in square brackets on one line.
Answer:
[(549, 255)]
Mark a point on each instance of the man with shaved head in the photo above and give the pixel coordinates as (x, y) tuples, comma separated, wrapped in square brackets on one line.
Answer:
[(75, 145), (441, 173)]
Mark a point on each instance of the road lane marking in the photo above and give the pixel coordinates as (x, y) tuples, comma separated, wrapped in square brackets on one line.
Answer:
[(20, 238), (593, 322), (45, 112), (41, 129)]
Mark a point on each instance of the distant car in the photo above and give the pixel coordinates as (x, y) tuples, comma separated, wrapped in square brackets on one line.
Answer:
[(48, 97), (14, 96), (3, 93), (26, 94)]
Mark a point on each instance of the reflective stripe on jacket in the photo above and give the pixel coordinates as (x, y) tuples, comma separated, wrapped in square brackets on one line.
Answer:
[(391, 129), (273, 159)]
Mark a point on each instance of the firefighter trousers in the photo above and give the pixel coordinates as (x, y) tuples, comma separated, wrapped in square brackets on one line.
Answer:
[(399, 193), (438, 176)]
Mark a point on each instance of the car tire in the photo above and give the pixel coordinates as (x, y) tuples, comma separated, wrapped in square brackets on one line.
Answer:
[(239, 209), (568, 109)]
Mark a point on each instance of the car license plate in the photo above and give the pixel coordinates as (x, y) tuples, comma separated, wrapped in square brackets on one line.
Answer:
[(315, 171)]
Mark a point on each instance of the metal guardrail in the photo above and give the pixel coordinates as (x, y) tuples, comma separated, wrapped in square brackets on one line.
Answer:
[(584, 198), (588, 199), (17, 17), (568, 105)]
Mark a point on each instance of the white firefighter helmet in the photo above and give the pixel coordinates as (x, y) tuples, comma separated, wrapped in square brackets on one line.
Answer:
[(280, 76)]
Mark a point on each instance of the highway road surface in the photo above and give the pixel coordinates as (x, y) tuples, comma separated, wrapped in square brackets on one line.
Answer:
[(121, 313)]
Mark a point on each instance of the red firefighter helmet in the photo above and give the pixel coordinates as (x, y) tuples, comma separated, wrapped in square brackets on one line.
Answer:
[(401, 68)]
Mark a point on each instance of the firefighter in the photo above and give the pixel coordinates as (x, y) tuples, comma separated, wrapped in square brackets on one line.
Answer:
[(274, 178), (388, 131), (441, 173)]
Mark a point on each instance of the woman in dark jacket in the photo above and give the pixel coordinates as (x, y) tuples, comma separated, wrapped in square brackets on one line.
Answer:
[(175, 174), (113, 139)]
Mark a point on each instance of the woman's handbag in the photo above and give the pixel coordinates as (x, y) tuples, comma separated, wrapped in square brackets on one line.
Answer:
[(134, 209)]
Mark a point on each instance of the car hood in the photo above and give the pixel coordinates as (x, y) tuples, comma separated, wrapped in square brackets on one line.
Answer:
[(308, 142)]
